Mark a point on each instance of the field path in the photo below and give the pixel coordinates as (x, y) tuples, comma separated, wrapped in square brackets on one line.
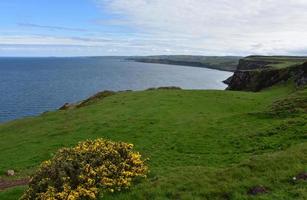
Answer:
[(5, 184)]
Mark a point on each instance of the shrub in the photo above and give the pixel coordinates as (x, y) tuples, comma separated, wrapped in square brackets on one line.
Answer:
[(87, 171)]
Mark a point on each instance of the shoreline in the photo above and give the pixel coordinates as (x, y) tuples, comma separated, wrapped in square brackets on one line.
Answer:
[(179, 63)]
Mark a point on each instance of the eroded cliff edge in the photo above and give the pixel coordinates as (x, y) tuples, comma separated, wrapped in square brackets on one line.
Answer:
[(256, 73)]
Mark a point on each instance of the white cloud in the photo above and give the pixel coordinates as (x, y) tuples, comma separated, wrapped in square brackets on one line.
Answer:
[(51, 40), (203, 27), (215, 26)]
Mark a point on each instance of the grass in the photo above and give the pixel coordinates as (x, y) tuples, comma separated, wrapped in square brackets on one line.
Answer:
[(201, 144), (13, 193), (279, 61)]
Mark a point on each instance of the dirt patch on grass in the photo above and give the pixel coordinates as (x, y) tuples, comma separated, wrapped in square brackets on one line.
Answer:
[(257, 190), (302, 176), (5, 184)]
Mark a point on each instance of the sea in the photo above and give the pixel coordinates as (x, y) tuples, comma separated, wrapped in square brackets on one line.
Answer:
[(31, 86)]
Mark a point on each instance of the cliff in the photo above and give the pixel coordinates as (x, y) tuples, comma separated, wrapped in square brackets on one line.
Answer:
[(255, 75), (245, 64)]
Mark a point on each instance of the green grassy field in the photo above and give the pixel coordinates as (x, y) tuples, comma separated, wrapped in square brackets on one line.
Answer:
[(201, 144)]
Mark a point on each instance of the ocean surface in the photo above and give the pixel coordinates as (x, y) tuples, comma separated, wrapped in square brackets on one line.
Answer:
[(30, 86)]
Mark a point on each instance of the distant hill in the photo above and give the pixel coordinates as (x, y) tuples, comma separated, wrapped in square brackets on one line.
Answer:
[(225, 63)]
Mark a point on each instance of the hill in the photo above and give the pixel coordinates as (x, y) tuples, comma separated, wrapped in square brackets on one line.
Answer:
[(201, 144), (225, 63), (270, 62), (257, 72)]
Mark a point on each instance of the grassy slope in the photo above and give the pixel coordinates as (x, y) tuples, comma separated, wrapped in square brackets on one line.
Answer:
[(201, 144), (279, 61)]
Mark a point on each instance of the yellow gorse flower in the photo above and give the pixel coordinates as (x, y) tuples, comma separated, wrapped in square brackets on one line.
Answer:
[(87, 171)]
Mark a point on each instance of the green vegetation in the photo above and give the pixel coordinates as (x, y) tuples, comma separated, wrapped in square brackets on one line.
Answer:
[(225, 63), (255, 73), (278, 61), (201, 144), (12, 194), (87, 171)]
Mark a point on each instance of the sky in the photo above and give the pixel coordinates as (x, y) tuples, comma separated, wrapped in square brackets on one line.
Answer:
[(152, 27)]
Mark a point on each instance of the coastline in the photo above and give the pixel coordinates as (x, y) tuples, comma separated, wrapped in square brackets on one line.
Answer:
[(187, 64), (60, 80)]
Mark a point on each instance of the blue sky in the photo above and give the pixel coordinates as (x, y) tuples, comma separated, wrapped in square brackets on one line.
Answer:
[(151, 27), (57, 28)]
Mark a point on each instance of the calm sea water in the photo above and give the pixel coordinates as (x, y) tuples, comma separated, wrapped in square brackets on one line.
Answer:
[(30, 86)]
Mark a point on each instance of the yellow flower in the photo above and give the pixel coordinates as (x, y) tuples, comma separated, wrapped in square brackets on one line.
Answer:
[(99, 166)]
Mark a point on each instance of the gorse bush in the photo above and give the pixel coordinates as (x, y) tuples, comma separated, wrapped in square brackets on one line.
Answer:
[(87, 171)]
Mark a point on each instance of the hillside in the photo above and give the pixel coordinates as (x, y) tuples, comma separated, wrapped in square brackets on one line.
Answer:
[(273, 62), (201, 144), (257, 72), (225, 63)]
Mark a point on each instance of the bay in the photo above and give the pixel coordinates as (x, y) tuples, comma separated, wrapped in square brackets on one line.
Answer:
[(30, 86)]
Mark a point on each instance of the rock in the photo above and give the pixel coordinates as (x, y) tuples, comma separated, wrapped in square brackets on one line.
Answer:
[(94, 98), (302, 81), (301, 76), (88, 101), (257, 190), (66, 106), (10, 172), (228, 80)]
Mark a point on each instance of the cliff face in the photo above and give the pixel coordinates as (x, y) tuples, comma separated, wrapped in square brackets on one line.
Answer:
[(253, 64), (255, 80)]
